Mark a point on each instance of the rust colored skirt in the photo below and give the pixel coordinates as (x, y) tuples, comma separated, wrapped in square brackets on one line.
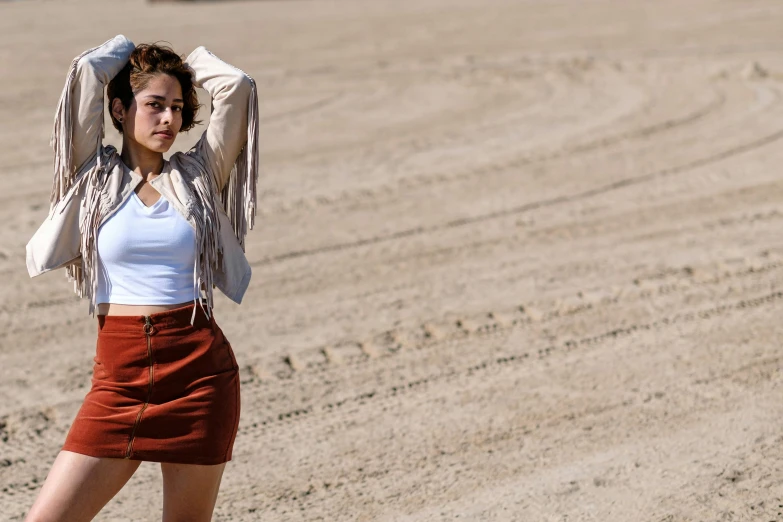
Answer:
[(162, 391)]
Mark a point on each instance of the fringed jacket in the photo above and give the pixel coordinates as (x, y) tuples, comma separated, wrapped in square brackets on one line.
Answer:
[(213, 185)]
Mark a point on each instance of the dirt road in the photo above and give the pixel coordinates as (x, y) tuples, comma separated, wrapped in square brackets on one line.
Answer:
[(516, 260)]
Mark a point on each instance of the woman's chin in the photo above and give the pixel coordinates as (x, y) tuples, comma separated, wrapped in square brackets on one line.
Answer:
[(160, 147)]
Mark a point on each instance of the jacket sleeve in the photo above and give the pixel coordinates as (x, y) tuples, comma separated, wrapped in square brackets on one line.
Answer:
[(56, 242), (228, 147), (78, 124)]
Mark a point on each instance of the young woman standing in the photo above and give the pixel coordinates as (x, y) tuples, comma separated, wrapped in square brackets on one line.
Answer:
[(145, 240)]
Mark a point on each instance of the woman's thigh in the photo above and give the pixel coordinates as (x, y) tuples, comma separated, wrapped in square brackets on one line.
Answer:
[(78, 486), (190, 491)]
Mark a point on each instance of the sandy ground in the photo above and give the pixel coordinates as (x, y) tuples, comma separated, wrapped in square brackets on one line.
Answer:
[(516, 260)]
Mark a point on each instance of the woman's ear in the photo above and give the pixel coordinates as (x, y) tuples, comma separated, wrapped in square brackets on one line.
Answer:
[(117, 110)]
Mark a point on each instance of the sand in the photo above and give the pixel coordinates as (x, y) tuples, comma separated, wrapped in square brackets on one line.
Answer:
[(515, 260)]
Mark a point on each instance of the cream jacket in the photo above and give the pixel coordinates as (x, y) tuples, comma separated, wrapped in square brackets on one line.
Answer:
[(213, 185)]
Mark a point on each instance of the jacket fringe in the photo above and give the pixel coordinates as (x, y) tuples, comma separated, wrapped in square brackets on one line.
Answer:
[(239, 196), (204, 211), (85, 282), (62, 134)]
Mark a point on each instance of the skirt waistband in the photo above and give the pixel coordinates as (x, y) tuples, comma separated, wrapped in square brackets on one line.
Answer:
[(169, 319)]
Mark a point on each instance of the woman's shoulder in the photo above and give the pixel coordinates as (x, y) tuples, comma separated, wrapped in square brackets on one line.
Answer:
[(190, 163), (99, 165)]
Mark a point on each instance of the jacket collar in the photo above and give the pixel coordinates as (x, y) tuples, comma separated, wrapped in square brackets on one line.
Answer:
[(168, 183)]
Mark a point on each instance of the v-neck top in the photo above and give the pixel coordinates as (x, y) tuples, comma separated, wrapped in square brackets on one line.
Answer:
[(146, 255), (138, 200)]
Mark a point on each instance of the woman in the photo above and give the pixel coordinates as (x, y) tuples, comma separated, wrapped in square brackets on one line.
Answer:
[(145, 240)]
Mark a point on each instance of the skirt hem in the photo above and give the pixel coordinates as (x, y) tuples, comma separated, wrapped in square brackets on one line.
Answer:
[(158, 456)]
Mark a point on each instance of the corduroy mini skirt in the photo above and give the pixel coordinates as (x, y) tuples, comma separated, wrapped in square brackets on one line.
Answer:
[(163, 390)]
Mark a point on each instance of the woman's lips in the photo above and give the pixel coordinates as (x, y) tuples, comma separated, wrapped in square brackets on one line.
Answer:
[(164, 134)]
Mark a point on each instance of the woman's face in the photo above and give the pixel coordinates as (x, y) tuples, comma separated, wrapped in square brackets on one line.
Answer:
[(155, 114)]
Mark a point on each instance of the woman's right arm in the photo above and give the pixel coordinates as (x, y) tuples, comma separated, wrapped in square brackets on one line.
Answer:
[(78, 124)]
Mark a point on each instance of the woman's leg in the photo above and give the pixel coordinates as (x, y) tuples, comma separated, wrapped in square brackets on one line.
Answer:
[(190, 491), (78, 486)]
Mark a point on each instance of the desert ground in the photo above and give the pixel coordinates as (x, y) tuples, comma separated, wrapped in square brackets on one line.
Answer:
[(514, 260)]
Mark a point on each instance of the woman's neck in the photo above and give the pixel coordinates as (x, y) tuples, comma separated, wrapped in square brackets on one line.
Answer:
[(146, 163)]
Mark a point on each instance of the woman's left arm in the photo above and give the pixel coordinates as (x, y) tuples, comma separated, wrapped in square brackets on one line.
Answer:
[(229, 145)]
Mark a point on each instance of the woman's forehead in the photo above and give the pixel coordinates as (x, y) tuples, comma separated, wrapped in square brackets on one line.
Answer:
[(163, 86)]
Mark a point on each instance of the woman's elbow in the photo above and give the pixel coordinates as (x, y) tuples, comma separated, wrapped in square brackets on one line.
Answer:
[(241, 86)]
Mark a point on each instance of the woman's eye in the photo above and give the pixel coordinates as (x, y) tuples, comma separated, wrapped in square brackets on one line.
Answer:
[(176, 108), (154, 104)]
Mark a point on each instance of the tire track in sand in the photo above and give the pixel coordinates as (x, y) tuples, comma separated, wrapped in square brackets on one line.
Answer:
[(375, 398), (527, 207)]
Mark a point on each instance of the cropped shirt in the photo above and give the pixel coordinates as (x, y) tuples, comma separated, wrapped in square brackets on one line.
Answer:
[(146, 255)]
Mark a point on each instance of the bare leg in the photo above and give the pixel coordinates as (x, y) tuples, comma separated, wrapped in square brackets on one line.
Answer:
[(190, 491), (78, 486)]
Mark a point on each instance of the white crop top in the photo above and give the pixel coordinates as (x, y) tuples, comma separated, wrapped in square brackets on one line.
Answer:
[(146, 255)]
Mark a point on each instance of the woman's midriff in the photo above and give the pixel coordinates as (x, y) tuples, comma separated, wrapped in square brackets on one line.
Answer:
[(123, 309)]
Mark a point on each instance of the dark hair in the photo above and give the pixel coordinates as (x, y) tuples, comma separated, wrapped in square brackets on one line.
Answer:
[(147, 61)]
